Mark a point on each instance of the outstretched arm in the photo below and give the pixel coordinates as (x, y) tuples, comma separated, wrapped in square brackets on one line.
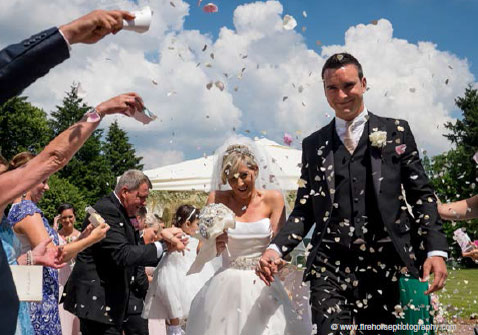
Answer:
[(23, 63), (459, 210), (61, 149)]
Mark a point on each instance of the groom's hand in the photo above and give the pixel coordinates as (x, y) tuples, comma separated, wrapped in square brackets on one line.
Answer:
[(437, 266), (269, 264)]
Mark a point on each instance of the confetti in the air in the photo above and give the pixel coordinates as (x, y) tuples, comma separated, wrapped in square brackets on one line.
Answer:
[(288, 139), (210, 8), (289, 22)]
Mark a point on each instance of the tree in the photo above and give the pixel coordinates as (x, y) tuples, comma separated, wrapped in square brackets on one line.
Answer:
[(88, 170), (62, 191), (23, 127), (119, 153)]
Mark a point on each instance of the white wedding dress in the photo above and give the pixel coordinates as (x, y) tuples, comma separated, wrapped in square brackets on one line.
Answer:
[(235, 301)]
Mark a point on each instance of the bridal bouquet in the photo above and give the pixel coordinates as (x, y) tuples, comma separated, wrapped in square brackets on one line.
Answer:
[(214, 219)]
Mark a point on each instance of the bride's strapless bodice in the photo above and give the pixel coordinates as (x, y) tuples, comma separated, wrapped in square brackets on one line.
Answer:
[(247, 240)]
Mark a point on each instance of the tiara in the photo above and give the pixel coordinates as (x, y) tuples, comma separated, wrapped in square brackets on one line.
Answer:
[(239, 148)]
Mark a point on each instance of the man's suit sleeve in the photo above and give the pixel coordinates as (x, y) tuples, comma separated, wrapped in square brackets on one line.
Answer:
[(22, 63), (117, 246), (420, 195), (302, 217)]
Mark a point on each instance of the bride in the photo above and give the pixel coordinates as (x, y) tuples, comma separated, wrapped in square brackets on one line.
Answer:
[(235, 301)]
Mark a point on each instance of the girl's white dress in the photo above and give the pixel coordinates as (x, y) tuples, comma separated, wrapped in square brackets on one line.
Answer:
[(171, 291), (235, 301)]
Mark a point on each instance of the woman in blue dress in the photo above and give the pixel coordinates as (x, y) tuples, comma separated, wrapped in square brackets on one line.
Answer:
[(11, 245), (31, 227)]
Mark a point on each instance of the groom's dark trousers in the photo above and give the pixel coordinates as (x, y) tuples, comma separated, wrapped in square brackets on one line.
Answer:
[(364, 234)]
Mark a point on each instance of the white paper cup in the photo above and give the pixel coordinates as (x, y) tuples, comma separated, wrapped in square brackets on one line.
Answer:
[(141, 22)]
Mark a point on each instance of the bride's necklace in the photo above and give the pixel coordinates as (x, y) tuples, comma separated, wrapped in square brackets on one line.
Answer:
[(244, 208)]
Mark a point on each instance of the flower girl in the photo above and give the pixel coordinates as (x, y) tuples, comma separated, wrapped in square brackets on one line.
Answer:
[(171, 291)]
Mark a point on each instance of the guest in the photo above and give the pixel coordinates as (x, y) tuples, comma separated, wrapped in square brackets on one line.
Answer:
[(20, 65), (67, 219), (39, 255), (31, 228), (466, 209), (100, 285), (153, 224), (134, 324), (171, 291), (70, 324)]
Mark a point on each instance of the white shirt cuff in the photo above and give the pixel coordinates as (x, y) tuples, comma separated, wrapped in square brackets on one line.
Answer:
[(67, 43), (443, 254), (159, 248), (275, 248)]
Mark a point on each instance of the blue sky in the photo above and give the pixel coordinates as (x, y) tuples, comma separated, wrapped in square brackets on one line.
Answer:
[(451, 24)]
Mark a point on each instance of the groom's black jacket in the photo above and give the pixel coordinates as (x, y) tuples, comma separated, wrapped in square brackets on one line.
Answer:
[(104, 274), (412, 237)]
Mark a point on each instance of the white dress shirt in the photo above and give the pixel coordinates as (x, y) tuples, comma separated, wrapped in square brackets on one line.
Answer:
[(358, 125)]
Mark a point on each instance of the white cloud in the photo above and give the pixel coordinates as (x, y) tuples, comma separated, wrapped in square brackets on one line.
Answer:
[(155, 158), (272, 80)]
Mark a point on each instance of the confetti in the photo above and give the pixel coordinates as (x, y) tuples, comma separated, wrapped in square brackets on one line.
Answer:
[(220, 85), (289, 22), (210, 8), (475, 157), (301, 182), (400, 149), (287, 139)]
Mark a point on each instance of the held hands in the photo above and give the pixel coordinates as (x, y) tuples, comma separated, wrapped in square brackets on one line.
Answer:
[(269, 264), (126, 104), (437, 266), (94, 26), (174, 238), (50, 257)]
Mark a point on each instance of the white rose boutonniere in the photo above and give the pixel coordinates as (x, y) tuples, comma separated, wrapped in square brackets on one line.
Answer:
[(378, 139)]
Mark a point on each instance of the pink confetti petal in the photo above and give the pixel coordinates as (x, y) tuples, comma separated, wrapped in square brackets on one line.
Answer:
[(400, 149), (475, 157), (210, 8), (287, 139)]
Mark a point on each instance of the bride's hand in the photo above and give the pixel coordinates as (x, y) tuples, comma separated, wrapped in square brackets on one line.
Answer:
[(221, 241), (269, 264)]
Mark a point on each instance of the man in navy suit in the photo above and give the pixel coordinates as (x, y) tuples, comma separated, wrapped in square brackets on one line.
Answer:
[(20, 65)]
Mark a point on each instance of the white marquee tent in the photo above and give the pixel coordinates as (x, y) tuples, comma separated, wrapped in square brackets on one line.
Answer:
[(195, 174)]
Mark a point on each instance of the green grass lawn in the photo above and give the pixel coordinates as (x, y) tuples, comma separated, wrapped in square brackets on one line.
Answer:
[(461, 292)]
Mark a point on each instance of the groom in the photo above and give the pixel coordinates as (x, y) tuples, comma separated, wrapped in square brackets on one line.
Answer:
[(356, 174)]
